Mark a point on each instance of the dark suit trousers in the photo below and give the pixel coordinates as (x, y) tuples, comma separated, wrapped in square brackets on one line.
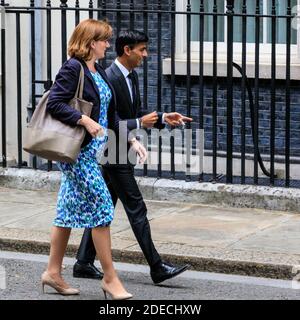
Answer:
[(122, 185)]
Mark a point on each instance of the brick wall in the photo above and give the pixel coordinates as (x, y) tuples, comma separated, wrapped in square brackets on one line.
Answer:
[(181, 101)]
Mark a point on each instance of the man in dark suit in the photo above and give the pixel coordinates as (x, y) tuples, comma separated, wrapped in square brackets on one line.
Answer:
[(131, 47)]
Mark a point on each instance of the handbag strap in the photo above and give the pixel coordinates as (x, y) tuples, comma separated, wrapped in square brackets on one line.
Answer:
[(79, 90)]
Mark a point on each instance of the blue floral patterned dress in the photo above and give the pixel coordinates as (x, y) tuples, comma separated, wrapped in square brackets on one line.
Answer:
[(83, 199)]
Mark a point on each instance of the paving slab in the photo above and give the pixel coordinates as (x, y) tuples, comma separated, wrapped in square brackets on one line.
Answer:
[(282, 238)]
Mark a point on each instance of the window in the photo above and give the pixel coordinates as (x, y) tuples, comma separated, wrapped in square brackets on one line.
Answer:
[(265, 38), (265, 28)]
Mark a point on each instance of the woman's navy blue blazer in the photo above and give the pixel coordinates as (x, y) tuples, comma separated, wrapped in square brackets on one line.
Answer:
[(64, 89)]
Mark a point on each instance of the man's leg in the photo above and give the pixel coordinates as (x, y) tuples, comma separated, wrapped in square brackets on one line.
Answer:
[(86, 254), (126, 188)]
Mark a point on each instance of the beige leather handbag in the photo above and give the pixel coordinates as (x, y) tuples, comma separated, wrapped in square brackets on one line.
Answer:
[(52, 139)]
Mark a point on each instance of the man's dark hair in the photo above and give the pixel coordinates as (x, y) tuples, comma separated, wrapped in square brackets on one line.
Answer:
[(129, 38)]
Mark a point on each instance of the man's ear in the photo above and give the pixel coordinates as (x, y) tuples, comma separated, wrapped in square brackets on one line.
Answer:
[(127, 50)]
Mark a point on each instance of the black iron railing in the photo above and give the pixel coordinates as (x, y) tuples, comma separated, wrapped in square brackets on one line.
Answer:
[(159, 19)]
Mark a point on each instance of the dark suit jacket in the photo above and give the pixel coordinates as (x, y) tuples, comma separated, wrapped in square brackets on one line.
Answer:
[(125, 108), (64, 89)]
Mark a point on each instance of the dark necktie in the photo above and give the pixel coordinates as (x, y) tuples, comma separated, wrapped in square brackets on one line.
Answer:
[(133, 87)]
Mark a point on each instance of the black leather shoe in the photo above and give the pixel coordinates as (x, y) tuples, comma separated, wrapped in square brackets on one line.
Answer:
[(86, 270), (166, 270)]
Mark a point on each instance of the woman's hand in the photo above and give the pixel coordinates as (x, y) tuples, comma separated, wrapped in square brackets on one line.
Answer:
[(93, 128)]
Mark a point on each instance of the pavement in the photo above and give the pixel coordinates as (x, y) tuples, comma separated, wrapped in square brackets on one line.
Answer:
[(211, 238)]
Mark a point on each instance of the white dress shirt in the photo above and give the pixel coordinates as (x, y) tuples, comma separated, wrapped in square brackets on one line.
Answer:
[(125, 73)]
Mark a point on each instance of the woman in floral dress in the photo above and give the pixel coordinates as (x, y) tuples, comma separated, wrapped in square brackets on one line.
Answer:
[(84, 200)]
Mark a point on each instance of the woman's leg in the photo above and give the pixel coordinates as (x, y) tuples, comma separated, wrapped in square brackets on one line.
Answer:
[(59, 241), (102, 242)]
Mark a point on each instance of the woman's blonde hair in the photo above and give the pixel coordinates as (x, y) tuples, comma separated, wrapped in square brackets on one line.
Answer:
[(87, 31)]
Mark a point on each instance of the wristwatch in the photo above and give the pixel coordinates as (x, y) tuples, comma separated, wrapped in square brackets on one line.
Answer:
[(140, 122)]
